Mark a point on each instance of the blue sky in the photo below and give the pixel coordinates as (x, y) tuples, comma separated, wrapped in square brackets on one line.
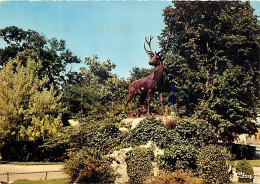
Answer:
[(109, 29)]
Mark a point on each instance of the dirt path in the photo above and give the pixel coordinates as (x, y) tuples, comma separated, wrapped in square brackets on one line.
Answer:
[(256, 174), (12, 172), (28, 168)]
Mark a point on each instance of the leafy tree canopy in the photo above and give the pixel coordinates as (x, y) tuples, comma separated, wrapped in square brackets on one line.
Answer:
[(215, 52), (52, 52), (100, 69), (138, 73), (28, 110), (99, 92)]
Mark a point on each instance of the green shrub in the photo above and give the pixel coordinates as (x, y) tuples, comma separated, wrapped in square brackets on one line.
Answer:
[(244, 166), (195, 131), (87, 166), (102, 136), (214, 164), (186, 130), (176, 178), (148, 129), (139, 164), (179, 157)]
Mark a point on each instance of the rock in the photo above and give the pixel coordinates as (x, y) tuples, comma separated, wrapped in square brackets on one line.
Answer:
[(122, 129), (136, 122), (119, 156), (158, 151), (149, 144), (73, 122), (156, 171), (131, 123), (119, 165), (126, 124)]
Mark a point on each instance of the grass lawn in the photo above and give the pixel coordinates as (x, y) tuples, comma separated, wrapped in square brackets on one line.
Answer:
[(254, 163), (55, 181)]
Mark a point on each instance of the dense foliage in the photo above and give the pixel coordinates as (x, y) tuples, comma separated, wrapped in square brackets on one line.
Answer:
[(99, 94), (30, 151), (87, 166), (147, 130), (244, 167), (103, 137), (215, 51), (179, 157), (187, 146), (184, 131), (139, 165), (52, 53), (214, 164), (241, 151), (138, 73), (213, 47), (28, 110)]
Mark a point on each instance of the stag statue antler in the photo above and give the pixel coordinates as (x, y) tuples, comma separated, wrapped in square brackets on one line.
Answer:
[(149, 52), (144, 86)]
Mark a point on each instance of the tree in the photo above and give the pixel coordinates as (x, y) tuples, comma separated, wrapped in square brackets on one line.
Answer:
[(99, 92), (215, 52), (52, 52), (138, 73), (28, 110), (101, 70)]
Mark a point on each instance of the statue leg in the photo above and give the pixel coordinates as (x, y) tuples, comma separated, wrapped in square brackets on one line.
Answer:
[(161, 100), (130, 96)]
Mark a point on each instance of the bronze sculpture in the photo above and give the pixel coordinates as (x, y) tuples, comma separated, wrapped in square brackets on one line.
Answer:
[(143, 87)]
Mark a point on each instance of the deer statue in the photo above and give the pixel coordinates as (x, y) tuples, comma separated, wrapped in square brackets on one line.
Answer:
[(145, 86)]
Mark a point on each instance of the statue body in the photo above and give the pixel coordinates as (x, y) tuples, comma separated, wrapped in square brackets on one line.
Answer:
[(143, 87)]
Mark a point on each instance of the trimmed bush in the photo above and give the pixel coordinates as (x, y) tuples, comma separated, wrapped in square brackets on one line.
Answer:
[(102, 136), (244, 167), (87, 166), (185, 131), (197, 132), (214, 164), (139, 165), (179, 157), (148, 129)]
